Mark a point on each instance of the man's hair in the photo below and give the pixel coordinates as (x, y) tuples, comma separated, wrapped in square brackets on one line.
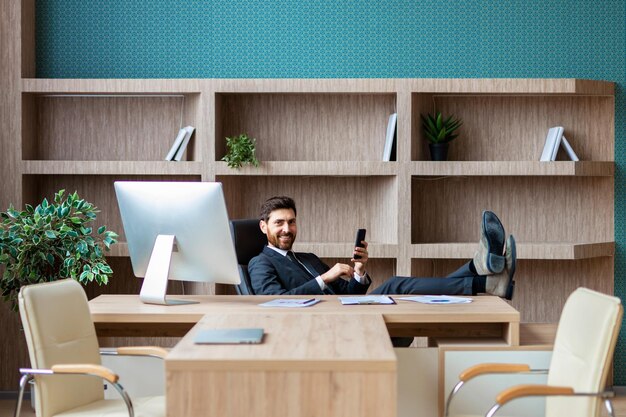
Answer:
[(277, 203)]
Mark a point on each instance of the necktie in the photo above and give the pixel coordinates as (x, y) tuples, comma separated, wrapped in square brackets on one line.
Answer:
[(292, 257)]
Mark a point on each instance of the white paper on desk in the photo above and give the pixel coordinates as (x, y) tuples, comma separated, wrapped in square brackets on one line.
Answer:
[(366, 299), (437, 299), (291, 302)]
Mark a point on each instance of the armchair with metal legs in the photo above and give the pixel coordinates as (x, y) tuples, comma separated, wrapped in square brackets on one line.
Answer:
[(65, 357), (579, 368)]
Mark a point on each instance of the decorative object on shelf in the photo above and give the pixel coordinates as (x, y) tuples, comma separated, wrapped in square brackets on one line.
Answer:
[(555, 140), (439, 133), (240, 151), (180, 144), (52, 241)]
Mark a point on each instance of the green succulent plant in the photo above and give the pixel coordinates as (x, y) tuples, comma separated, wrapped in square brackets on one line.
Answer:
[(241, 151), (440, 130), (52, 241)]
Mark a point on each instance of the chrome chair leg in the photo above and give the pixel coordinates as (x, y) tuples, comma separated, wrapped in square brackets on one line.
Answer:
[(23, 381)]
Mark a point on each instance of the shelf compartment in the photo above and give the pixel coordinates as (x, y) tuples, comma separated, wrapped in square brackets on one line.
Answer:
[(507, 127), (569, 210), (111, 168), (300, 168), (542, 286), (97, 189), (513, 168), (329, 208), (306, 127), (525, 250), (106, 127)]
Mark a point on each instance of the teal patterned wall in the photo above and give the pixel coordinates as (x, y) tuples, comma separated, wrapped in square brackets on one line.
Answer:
[(347, 38)]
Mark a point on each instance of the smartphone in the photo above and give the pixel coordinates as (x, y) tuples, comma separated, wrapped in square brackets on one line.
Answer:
[(360, 236)]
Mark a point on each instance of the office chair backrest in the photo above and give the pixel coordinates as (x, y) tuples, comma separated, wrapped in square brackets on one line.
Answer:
[(58, 329), (249, 241), (583, 351)]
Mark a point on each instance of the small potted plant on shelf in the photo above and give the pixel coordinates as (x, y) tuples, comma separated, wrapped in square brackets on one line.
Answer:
[(52, 241), (439, 133), (241, 150)]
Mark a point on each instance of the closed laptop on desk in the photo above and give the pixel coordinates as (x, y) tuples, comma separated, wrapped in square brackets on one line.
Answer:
[(228, 336)]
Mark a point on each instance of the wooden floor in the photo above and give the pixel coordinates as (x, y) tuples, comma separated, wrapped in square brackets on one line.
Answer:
[(7, 408)]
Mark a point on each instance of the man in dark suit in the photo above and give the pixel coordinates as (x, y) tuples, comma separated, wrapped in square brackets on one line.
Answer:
[(278, 270)]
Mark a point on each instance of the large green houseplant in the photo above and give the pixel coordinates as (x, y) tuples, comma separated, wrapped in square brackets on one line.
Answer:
[(439, 132), (52, 241)]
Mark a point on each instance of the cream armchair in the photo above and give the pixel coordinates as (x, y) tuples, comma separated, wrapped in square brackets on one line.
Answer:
[(583, 351), (65, 357)]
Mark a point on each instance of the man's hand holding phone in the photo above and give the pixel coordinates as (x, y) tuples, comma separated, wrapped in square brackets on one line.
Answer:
[(360, 255)]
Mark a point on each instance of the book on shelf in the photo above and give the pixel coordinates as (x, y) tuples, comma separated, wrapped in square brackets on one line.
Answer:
[(179, 139), (554, 140), (552, 143), (568, 148), (181, 150), (389, 152)]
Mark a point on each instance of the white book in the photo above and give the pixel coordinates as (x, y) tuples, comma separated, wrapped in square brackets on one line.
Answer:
[(568, 148), (176, 144), (181, 150), (552, 143), (388, 153)]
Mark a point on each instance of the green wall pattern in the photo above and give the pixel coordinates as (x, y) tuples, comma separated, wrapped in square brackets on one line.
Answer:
[(349, 38)]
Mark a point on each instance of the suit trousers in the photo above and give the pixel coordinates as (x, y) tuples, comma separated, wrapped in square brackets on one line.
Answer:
[(459, 282)]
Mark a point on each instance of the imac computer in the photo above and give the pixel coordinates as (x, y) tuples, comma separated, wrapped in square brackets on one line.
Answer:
[(176, 230)]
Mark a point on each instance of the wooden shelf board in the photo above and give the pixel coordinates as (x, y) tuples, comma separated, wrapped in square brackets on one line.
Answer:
[(160, 168), (317, 168), (381, 85), (512, 168), (512, 86), (112, 86), (323, 250), (547, 251)]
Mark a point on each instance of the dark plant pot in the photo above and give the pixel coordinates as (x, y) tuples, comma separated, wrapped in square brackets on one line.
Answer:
[(438, 151)]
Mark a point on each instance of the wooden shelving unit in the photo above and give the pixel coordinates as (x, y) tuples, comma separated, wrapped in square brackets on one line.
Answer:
[(321, 141)]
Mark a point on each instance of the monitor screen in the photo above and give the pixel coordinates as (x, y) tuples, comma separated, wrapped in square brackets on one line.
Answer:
[(194, 214)]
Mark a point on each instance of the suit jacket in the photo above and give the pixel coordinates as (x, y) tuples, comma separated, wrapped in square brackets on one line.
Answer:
[(272, 274)]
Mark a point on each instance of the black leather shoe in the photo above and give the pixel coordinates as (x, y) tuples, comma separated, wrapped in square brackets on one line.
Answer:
[(489, 258), (502, 284)]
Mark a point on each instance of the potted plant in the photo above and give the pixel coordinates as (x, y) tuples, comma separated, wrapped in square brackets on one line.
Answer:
[(241, 151), (439, 133), (52, 241)]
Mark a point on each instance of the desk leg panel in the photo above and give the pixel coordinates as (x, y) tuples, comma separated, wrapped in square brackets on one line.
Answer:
[(280, 393)]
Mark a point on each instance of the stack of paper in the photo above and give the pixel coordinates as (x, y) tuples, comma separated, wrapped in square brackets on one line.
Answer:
[(437, 299), (366, 299), (291, 302)]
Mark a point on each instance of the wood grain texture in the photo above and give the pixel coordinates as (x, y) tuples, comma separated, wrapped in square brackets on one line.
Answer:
[(13, 349), (513, 168), (308, 127), (103, 128), (489, 121), (128, 309), (528, 207), (285, 393)]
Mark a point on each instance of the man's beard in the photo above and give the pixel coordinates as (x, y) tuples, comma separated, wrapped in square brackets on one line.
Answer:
[(284, 245)]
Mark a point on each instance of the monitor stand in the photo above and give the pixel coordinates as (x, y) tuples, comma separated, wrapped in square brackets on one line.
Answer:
[(154, 288)]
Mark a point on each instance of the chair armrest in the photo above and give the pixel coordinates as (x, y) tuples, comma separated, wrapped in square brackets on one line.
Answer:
[(492, 368), (154, 351), (528, 390), (86, 368)]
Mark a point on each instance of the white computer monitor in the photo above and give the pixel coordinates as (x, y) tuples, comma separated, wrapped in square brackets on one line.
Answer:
[(179, 231)]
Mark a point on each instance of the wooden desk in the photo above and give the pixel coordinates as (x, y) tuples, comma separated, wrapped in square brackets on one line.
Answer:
[(331, 365), (486, 316), (326, 360)]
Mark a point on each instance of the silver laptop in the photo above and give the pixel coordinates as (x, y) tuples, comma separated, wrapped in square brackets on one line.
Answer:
[(228, 336)]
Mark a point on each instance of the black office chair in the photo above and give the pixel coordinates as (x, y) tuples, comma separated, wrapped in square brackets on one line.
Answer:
[(249, 241)]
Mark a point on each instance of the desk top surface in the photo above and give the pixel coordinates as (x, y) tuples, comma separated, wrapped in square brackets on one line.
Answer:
[(128, 309), (311, 342)]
